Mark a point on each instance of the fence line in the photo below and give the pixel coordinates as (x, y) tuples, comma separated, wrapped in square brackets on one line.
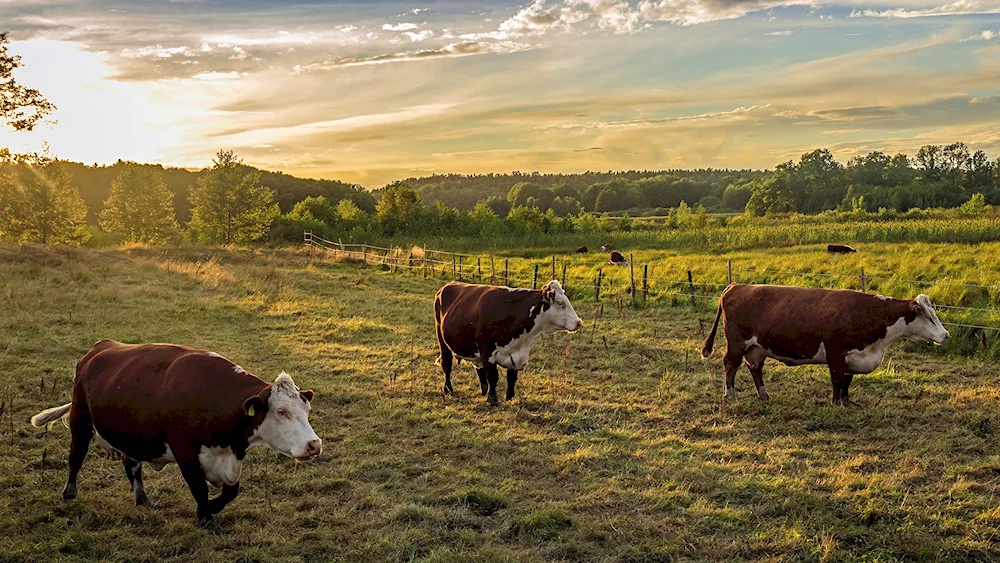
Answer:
[(484, 269)]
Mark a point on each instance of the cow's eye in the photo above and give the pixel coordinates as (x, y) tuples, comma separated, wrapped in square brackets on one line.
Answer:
[(563, 305), (283, 412)]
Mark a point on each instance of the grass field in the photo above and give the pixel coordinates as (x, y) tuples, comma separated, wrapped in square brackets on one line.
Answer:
[(617, 448)]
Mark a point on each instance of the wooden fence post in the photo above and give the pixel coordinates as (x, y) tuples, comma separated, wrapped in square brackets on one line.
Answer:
[(423, 263), (493, 271), (479, 269), (597, 284), (631, 276), (691, 289), (461, 267), (564, 276), (534, 281), (554, 267), (645, 283), (506, 272), (864, 282), (364, 253), (729, 267)]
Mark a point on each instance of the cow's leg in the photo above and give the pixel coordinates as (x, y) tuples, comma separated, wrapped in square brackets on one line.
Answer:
[(194, 474), (133, 470), (848, 378), (483, 383), (228, 495), (838, 378), (511, 382), (492, 377), (757, 371), (81, 428), (446, 361), (732, 364)]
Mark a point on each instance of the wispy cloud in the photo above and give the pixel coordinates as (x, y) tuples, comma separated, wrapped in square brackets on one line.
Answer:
[(778, 33), (961, 7), (452, 50)]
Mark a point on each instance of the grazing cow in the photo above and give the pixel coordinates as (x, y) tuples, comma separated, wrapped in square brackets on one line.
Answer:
[(839, 249), (581, 250), (617, 259), (845, 329), (162, 403), (606, 247), (493, 326)]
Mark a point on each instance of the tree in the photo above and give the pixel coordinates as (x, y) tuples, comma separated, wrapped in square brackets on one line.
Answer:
[(22, 108), (975, 206), (39, 203), (228, 206), (607, 200), (399, 209), (140, 208)]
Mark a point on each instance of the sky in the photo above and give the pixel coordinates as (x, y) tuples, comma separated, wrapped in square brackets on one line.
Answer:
[(367, 91)]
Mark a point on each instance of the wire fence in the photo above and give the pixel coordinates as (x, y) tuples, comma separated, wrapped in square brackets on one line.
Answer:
[(626, 283)]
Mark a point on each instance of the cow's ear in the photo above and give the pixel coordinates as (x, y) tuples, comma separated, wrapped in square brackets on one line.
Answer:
[(916, 308), (257, 405), (307, 395), (547, 295)]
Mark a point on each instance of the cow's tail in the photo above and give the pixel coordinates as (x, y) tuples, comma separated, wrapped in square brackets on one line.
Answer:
[(48, 416), (706, 348)]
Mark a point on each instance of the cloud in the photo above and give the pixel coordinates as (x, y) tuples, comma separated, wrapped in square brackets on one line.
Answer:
[(399, 27), (960, 7), (987, 35), (861, 113), (693, 12), (779, 33), (417, 37), (448, 51)]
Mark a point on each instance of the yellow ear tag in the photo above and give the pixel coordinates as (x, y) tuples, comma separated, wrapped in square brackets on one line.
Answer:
[(250, 411)]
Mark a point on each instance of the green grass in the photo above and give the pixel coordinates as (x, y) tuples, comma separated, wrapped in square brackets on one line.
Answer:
[(617, 448)]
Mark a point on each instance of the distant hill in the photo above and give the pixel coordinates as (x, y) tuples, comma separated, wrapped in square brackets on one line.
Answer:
[(94, 183)]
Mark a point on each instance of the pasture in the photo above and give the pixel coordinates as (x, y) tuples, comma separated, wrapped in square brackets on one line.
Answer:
[(617, 448)]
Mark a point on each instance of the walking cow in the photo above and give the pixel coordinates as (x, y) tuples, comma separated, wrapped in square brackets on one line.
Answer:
[(494, 326), (848, 330), (163, 403)]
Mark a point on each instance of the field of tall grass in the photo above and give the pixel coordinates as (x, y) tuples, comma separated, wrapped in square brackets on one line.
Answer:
[(617, 448)]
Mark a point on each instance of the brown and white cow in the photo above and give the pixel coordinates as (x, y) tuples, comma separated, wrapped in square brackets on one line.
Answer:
[(163, 403), (617, 259), (848, 330), (494, 326)]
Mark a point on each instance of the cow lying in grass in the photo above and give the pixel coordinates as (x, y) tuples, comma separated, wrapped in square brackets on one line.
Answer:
[(162, 403), (848, 330), (494, 326)]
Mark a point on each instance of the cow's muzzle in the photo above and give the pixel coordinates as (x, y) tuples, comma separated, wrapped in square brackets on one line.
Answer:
[(313, 449)]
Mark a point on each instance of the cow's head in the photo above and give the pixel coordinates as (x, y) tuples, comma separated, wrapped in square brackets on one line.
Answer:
[(284, 427), (925, 327), (557, 312)]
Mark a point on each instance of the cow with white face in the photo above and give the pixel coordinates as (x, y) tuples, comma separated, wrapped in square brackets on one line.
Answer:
[(492, 326), (849, 331), (163, 403)]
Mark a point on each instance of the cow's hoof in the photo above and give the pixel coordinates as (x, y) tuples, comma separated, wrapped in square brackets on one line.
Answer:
[(141, 499), (510, 396), (762, 395), (204, 521), (730, 393), (448, 390), (492, 401), (69, 491)]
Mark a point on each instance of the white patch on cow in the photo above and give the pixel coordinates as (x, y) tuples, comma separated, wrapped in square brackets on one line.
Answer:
[(559, 315), (221, 465), (531, 310), (755, 353), (238, 369), (867, 359), (516, 288), (820, 356), (290, 434), (750, 343), (214, 355), (883, 297), (160, 462)]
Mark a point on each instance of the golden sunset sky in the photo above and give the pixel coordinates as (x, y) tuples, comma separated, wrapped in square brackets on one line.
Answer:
[(372, 91)]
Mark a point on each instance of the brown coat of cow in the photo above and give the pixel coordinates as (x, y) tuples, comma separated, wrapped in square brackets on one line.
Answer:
[(492, 326), (847, 330), (162, 403)]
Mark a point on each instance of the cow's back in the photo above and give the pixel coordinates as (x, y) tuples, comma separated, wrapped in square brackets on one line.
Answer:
[(137, 392), (467, 313)]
